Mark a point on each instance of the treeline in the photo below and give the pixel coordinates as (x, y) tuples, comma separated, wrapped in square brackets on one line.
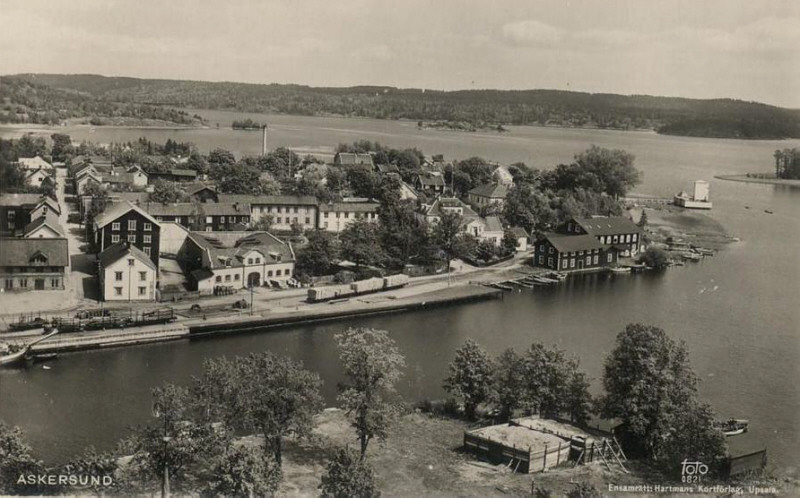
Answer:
[(787, 163), (23, 100), (246, 124), (678, 116)]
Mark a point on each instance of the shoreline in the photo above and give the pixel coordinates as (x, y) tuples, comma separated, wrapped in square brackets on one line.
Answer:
[(764, 181)]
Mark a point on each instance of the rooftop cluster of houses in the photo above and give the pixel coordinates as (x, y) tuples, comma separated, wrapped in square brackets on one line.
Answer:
[(33, 248), (37, 171)]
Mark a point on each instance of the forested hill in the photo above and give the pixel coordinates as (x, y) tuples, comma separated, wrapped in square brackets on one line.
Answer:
[(669, 115), (24, 100)]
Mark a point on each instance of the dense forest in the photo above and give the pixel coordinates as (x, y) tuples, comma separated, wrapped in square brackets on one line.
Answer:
[(677, 116), (23, 100)]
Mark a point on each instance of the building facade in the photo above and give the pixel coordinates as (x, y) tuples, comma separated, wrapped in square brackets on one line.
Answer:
[(126, 273), (124, 222), (34, 264), (285, 210), (563, 252), (616, 231), (335, 217)]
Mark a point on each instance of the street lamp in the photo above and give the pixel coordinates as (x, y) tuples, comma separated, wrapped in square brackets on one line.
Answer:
[(158, 412)]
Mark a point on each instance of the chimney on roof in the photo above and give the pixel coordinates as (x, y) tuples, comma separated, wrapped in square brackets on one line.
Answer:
[(236, 206)]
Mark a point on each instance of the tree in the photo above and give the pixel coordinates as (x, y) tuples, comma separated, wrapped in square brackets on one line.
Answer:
[(362, 180), (449, 236), (528, 208), (401, 233), (598, 169), (264, 223), (15, 461), (360, 243), (372, 365), (648, 383), (508, 382), (317, 257), (348, 476), (244, 471), (694, 437), (265, 392), (470, 376), (167, 192), (643, 219), (655, 257), (94, 464), (62, 147), (509, 243), (237, 178), (221, 157), (198, 163)]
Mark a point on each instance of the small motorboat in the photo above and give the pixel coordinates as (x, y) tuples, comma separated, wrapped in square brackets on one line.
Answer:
[(704, 251), (619, 269), (768, 211), (733, 426), (557, 275), (691, 256)]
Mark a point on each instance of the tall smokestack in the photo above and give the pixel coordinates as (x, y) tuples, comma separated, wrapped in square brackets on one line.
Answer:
[(264, 142)]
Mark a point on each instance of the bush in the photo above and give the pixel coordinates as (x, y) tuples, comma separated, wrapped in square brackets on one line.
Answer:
[(245, 471), (347, 476)]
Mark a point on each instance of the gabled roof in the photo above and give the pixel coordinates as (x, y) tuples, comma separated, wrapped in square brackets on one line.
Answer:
[(349, 207), (183, 172), (351, 159), (573, 243), (387, 168), (34, 163), (442, 204), (492, 224), (123, 249), (51, 203), (114, 211), (198, 209), (32, 172), (50, 220), (518, 232), (431, 180), (271, 200), (199, 187), (20, 200), (602, 225), (234, 246), (20, 251), (492, 191)]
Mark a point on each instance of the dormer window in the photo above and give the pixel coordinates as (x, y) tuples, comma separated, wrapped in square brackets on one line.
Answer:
[(39, 258)]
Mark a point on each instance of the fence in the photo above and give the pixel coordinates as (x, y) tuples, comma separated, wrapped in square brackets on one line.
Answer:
[(745, 464), (523, 459)]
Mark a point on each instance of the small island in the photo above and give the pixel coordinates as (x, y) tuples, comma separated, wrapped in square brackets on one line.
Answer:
[(247, 124), (461, 126), (787, 171)]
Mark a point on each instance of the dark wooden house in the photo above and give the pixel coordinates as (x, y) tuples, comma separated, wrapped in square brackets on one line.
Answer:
[(126, 222)]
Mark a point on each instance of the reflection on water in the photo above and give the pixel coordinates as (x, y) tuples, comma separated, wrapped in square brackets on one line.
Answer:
[(737, 311)]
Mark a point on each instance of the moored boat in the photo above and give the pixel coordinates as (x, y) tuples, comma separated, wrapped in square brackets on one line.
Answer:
[(733, 426), (619, 269), (690, 256)]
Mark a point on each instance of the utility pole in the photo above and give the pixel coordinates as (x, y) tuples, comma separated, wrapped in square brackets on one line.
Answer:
[(251, 298), (264, 141), (158, 412)]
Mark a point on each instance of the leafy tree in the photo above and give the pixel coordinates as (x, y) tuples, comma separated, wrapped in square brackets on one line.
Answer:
[(401, 233), (643, 219), (694, 437), (450, 237), (359, 243), (600, 170), (336, 179), (244, 471), (529, 209), (221, 157), (476, 171), (264, 223), (362, 180), (92, 463), (372, 365), (648, 384), (31, 146), (317, 257), (655, 257), (237, 178), (197, 162), (348, 476), (509, 242), (167, 192), (470, 376), (508, 382), (189, 443), (16, 460), (265, 392), (62, 146)]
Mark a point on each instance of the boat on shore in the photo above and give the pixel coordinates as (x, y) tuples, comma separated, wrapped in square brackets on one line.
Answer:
[(733, 426), (619, 269), (22, 354), (691, 256), (557, 275)]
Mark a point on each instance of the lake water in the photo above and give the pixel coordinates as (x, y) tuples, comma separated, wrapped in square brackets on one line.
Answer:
[(737, 311)]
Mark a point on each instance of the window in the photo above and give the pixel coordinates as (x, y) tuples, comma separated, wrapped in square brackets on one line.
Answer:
[(337, 215), (118, 276), (131, 224), (549, 261), (325, 225), (218, 279), (564, 264), (115, 226), (209, 220), (236, 277), (147, 251), (114, 239), (588, 260), (249, 261), (572, 263), (288, 272), (9, 283), (277, 273), (308, 220), (550, 250), (596, 259), (142, 291), (208, 229), (227, 278), (279, 220), (142, 276), (616, 239), (148, 227), (231, 219), (258, 261), (295, 209), (609, 258), (269, 209), (11, 215), (280, 209), (634, 237), (269, 273), (541, 260), (295, 219), (325, 214), (117, 291), (346, 215), (132, 238), (148, 239)]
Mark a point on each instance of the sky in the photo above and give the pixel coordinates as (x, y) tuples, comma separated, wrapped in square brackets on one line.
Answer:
[(747, 50)]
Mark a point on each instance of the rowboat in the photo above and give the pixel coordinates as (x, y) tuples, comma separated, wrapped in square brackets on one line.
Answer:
[(733, 426), (619, 269), (691, 256)]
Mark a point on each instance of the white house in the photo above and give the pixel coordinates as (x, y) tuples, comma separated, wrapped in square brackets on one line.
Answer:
[(126, 274), (35, 177), (335, 217), (34, 163), (44, 227)]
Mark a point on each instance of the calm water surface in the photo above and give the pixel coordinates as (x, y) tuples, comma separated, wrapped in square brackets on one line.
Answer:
[(737, 311)]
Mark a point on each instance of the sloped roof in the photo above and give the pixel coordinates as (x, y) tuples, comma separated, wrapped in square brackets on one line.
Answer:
[(114, 211), (432, 180), (50, 219), (442, 204), (34, 163), (51, 203), (493, 224), (123, 249), (351, 159), (572, 243), (493, 191), (271, 200), (198, 209), (518, 232), (603, 225), (19, 199), (183, 172), (349, 207), (20, 251), (234, 246), (387, 168)]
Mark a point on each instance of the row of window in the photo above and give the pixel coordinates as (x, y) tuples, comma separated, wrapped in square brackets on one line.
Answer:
[(279, 220), (142, 276), (142, 291), (369, 216), (146, 239), (131, 226), (279, 209), (571, 262), (236, 277), (22, 283), (622, 239)]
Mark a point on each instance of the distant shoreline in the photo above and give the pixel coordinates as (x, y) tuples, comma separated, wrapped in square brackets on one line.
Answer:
[(766, 181)]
